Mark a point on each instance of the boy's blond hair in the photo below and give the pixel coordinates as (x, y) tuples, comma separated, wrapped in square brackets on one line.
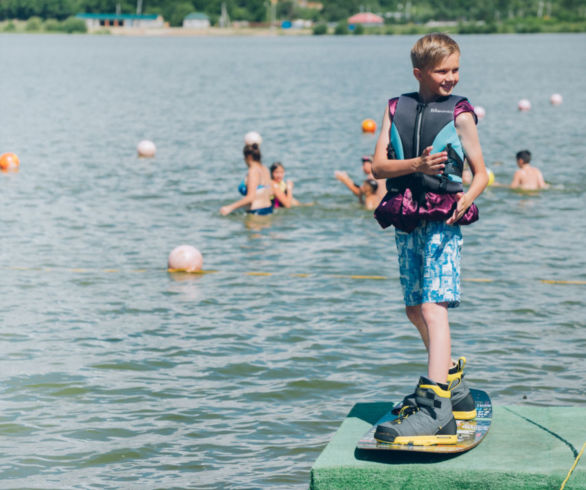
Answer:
[(431, 49)]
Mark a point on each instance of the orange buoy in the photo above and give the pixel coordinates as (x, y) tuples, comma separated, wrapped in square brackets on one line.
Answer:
[(9, 162), (368, 126), (185, 258)]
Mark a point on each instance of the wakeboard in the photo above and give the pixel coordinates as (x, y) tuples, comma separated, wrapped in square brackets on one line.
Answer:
[(470, 432)]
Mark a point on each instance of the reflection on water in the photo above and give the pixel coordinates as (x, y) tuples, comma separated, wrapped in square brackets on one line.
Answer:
[(118, 373), (257, 223)]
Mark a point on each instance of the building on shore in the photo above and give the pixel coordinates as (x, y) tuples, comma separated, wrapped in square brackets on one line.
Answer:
[(196, 20), (131, 21)]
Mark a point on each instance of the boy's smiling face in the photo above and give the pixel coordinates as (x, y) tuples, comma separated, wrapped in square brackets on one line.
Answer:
[(440, 80)]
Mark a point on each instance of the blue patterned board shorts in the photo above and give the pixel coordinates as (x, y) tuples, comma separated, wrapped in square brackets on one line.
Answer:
[(429, 263)]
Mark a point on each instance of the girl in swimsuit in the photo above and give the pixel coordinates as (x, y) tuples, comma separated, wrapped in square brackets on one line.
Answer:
[(282, 190), (256, 187)]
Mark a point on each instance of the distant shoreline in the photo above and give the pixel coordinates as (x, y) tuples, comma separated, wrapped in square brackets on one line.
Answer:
[(208, 32), (529, 26)]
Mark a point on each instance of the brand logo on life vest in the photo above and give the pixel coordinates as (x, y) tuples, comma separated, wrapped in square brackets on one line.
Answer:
[(433, 109)]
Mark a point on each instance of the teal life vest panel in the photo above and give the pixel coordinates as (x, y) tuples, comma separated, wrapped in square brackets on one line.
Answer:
[(414, 127)]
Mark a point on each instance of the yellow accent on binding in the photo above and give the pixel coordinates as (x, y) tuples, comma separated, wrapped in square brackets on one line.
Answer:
[(458, 374), (469, 415), (426, 440), (437, 390)]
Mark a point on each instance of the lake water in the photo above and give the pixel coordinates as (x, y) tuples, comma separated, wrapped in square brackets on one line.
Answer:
[(116, 374)]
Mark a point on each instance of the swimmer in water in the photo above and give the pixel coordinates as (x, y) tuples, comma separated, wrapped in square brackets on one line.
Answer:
[(369, 190), (367, 169), (527, 178), (360, 191), (256, 186), (282, 190), (366, 192)]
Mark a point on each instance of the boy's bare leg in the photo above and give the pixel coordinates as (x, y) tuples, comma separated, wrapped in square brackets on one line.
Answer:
[(416, 318), (435, 317)]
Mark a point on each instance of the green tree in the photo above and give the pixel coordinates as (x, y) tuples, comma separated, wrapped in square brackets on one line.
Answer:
[(176, 12), (34, 24), (342, 28), (71, 25), (320, 29)]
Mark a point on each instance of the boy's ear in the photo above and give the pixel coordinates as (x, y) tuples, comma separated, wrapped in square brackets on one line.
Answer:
[(417, 74)]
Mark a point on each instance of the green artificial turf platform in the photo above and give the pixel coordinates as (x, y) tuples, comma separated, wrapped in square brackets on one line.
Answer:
[(526, 447)]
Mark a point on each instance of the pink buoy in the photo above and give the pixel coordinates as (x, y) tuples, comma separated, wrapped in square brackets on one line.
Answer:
[(479, 111), (185, 258), (252, 137), (524, 105), (556, 99), (146, 149)]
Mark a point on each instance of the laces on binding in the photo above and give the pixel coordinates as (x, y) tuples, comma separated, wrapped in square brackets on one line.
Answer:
[(405, 412)]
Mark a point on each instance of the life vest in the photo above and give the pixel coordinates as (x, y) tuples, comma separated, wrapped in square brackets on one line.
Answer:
[(414, 127)]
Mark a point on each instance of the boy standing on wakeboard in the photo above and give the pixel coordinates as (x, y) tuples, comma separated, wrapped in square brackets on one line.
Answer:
[(424, 140)]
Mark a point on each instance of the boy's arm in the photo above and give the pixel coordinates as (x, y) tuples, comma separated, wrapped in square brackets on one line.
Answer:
[(383, 168), (466, 129), (516, 183)]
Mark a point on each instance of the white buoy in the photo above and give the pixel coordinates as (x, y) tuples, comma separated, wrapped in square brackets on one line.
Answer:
[(524, 105), (556, 99), (479, 111), (146, 149), (252, 137), (185, 258)]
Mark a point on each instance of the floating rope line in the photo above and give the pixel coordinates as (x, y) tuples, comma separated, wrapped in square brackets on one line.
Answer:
[(573, 466), (81, 270), (573, 283)]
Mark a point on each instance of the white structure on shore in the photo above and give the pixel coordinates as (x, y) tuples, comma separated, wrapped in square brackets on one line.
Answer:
[(196, 20)]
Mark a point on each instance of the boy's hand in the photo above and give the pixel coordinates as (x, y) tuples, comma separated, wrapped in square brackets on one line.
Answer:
[(460, 210), (432, 164)]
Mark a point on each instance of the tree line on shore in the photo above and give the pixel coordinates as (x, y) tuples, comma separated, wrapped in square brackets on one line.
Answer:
[(487, 15)]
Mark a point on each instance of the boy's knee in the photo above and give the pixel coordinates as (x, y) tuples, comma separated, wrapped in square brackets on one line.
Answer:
[(432, 308), (413, 312)]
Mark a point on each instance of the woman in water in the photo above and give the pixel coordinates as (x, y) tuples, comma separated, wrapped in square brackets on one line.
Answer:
[(256, 186), (282, 190)]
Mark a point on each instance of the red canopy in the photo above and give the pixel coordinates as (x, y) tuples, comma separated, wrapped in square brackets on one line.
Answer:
[(366, 18)]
